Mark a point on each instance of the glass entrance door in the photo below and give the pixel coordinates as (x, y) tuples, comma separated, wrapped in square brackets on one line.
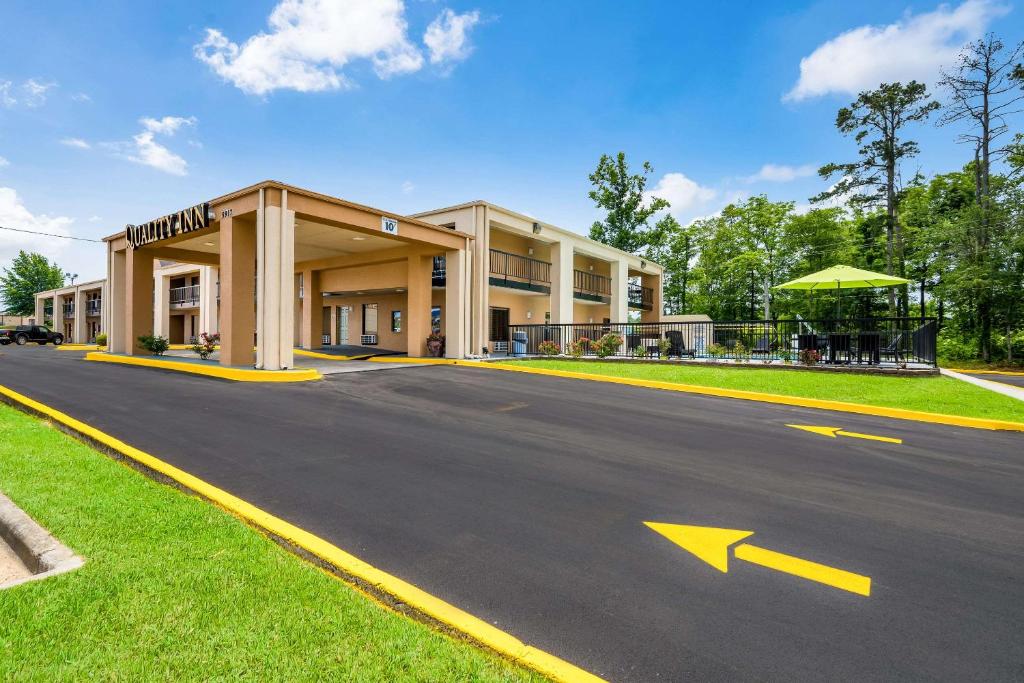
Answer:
[(343, 312)]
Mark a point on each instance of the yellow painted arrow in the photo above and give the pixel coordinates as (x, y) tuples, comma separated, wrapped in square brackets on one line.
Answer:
[(839, 431), (711, 544)]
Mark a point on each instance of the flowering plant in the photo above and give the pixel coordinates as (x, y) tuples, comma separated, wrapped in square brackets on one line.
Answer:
[(607, 345), (810, 357), (579, 347), (206, 344), (548, 348)]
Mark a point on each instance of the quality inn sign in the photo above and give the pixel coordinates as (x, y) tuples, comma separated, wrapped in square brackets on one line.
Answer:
[(179, 223)]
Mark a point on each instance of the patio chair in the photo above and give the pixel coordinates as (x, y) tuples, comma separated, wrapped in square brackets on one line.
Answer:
[(893, 349), (764, 345), (678, 345)]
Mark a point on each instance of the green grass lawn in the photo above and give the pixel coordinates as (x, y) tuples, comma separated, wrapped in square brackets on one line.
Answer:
[(930, 394), (174, 588)]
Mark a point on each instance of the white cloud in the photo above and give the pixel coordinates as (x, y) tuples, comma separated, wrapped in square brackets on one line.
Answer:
[(781, 173), (144, 148), (95, 219), (310, 42), (407, 187), (168, 125), (687, 197), (914, 47), (81, 97), (447, 36), (14, 214), (4, 162), (31, 93), (78, 143)]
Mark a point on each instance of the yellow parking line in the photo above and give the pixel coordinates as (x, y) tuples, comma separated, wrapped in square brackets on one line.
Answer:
[(477, 629)]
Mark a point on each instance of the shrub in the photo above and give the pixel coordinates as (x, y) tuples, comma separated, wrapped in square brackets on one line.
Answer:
[(716, 350), (663, 347), (154, 344), (607, 345), (549, 348), (101, 339), (639, 352), (740, 351), (953, 347), (205, 345), (579, 347)]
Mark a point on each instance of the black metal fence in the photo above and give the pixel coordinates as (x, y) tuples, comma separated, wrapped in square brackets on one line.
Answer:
[(866, 341)]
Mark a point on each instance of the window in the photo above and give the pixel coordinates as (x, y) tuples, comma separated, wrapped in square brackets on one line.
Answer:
[(396, 321), (369, 318), (435, 319)]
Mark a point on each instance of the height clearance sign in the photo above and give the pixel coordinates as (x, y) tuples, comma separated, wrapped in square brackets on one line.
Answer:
[(179, 223)]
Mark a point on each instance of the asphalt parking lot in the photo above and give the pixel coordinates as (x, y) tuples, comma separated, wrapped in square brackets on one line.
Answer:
[(522, 499)]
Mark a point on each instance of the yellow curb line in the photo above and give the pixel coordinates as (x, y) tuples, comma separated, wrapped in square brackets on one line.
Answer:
[(236, 374), (420, 361), (987, 372), (325, 356), (463, 622), (840, 406), (81, 347)]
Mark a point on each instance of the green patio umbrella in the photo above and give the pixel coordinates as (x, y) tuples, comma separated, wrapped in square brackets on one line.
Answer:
[(843, 277)]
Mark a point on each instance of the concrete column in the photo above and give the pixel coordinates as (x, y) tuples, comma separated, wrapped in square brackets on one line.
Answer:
[(162, 305), (58, 313), (237, 290), (619, 308), (297, 312), (479, 292), (81, 333), (138, 299), (654, 282), (40, 311), (418, 304), (334, 326), (453, 316), (275, 268), (561, 283), (115, 304), (312, 310), (209, 276)]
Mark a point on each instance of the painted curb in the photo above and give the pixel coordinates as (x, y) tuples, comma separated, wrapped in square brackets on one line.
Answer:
[(821, 404), (417, 361), (41, 552), (235, 374), (986, 372), (81, 347), (325, 356), (445, 613)]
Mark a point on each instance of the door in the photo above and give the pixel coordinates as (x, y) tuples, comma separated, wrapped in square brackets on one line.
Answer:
[(343, 312), (499, 325)]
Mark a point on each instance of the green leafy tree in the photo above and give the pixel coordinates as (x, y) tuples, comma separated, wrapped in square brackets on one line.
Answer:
[(877, 120), (629, 210), (28, 274)]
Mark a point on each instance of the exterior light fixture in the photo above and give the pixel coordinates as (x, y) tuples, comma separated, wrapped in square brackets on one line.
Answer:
[(399, 290), (536, 228), (358, 239), (529, 314), (208, 244), (643, 264)]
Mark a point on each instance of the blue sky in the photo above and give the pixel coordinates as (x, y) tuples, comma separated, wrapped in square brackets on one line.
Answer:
[(119, 112)]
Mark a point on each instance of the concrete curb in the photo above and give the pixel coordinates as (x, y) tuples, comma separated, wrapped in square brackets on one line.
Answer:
[(36, 547), (399, 595), (218, 371)]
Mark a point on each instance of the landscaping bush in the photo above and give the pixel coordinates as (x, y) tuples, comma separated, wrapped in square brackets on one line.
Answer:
[(716, 351), (549, 348), (206, 344), (810, 357), (101, 339), (639, 352), (607, 345), (579, 347), (663, 347), (154, 344)]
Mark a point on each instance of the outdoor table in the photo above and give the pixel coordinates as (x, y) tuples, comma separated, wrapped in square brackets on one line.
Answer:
[(869, 344), (838, 343)]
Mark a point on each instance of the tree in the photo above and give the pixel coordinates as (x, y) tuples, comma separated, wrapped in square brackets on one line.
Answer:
[(28, 274), (623, 196), (876, 120), (982, 94), (674, 249)]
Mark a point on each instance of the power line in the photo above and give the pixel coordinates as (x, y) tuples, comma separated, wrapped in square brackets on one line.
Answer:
[(50, 234)]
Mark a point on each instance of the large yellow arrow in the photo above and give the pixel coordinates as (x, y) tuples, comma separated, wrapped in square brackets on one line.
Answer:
[(839, 431), (711, 544)]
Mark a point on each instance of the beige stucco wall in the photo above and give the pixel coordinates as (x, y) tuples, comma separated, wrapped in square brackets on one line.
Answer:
[(582, 313), (386, 303), (356, 278)]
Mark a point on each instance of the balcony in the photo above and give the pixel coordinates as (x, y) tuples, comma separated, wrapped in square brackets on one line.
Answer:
[(641, 297), (185, 297), (94, 307), (591, 287), (69, 309), (520, 272)]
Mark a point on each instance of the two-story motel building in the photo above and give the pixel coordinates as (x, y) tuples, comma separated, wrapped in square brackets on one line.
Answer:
[(282, 267)]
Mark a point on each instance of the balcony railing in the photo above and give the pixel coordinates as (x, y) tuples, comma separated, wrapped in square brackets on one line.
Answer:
[(520, 272), (185, 296), (591, 286), (69, 309), (896, 342), (94, 307), (641, 297)]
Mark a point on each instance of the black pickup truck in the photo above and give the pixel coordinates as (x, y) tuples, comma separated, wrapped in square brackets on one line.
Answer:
[(23, 334)]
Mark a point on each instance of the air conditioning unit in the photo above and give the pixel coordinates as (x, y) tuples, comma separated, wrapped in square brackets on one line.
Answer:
[(501, 346), (368, 340)]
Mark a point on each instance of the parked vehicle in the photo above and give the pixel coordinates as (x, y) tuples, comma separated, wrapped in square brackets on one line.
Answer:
[(23, 334)]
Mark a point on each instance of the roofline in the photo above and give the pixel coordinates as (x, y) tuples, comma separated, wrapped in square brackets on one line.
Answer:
[(100, 282), (276, 184), (523, 216)]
